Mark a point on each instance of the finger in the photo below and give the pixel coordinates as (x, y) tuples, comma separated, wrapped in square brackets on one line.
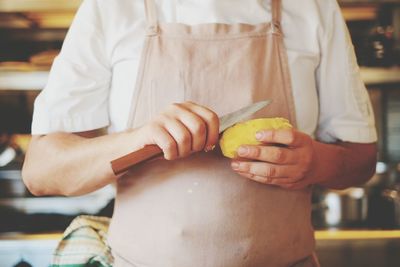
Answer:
[(288, 137), (264, 169), (181, 135), (156, 158), (260, 179), (269, 181), (166, 142), (287, 181), (210, 118), (196, 126), (271, 154)]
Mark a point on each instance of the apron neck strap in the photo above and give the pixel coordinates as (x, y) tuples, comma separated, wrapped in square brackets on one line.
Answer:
[(151, 16), (276, 12)]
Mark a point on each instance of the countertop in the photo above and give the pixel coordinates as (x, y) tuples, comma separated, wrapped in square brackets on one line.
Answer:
[(333, 247), (356, 234), (319, 235)]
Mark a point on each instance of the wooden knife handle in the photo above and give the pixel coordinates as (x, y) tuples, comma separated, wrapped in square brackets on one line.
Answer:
[(123, 163)]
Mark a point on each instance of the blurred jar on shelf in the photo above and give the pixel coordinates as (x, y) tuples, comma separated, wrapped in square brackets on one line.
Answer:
[(380, 42)]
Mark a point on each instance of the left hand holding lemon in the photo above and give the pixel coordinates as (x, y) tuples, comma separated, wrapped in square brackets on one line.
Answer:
[(270, 151)]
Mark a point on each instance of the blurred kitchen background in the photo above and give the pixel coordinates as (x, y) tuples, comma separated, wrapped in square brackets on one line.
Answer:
[(355, 227)]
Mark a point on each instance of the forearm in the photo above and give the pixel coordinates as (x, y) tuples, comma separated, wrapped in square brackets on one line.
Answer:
[(342, 165), (68, 164)]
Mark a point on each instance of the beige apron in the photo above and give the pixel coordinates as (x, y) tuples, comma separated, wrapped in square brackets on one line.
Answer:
[(197, 212)]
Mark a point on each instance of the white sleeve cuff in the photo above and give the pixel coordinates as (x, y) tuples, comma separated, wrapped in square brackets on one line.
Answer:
[(363, 135)]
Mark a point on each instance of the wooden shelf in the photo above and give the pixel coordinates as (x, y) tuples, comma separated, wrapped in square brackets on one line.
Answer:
[(368, 1), (23, 80), (38, 5), (359, 12), (379, 76)]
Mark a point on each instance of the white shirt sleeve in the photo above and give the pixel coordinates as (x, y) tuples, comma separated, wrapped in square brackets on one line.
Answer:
[(75, 98), (345, 108)]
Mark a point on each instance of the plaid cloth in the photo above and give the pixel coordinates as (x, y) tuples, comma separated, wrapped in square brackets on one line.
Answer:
[(84, 243)]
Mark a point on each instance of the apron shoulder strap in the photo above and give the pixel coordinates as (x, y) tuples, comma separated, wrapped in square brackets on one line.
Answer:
[(276, 13), (151, 15)]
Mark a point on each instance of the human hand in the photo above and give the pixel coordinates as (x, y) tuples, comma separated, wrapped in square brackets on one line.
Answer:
[(182, 129), (285, 159)]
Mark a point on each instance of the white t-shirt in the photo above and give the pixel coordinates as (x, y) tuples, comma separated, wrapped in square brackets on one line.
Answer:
[(92, 80)]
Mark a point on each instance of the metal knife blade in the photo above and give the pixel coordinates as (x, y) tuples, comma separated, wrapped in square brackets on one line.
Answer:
[(230, 119)]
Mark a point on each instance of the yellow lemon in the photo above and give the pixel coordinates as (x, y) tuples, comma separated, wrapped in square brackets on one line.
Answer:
[(245, 133)]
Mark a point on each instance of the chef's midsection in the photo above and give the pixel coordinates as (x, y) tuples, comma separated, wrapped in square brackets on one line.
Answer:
[(189, 206)]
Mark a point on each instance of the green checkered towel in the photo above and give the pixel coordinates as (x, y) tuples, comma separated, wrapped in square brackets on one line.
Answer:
[(84, 243)]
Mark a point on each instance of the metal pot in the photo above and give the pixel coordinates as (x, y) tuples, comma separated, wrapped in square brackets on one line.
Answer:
[(386, 175), (341, 209), (11, 185), (380, 177), (393, 195)]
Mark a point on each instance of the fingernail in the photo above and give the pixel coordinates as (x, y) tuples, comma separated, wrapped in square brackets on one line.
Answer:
[(242, 151), (210, 148), (235, 165), (259, 135)]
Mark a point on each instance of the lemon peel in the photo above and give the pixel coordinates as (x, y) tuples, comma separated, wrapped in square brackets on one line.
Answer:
[(244, 133)]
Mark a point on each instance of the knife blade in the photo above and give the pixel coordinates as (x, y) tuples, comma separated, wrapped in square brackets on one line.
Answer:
[(231, 119), (124, 163)]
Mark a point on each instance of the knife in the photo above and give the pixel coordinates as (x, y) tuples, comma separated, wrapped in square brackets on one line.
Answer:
[(123, 163)]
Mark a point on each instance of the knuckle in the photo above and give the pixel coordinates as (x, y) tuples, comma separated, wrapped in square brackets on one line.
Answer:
[(245, 167), (190, 103), (200, 128), (290, 137), (300, 175), (214, 118), (169, 153), (155, 124), (248, 175), (198, 145), (161, 120), (272, 134), (303, 173), (157, 132), (169, 146), (266, 180), (297, 177), (175, 106), (279, 155), (270, 171), (184, 140), (255, 152), (211, 117)]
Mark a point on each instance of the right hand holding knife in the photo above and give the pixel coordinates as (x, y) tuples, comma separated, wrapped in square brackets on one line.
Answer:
[(179, 131)]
